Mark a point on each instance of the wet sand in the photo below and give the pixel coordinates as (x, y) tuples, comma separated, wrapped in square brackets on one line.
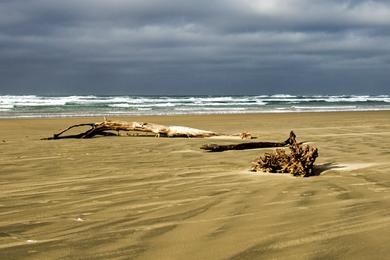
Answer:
[(149, 198)]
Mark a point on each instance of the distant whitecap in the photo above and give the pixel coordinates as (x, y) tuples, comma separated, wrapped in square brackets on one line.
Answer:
[(30, 106)]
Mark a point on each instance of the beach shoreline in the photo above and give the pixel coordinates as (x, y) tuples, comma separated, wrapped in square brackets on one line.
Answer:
[(164, 198), (73, 106)]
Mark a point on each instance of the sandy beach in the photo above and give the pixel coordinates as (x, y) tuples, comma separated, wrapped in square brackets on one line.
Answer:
[(162, 198)]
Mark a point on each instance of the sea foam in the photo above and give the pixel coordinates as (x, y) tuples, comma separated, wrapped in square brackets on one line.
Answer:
[(70, 106)]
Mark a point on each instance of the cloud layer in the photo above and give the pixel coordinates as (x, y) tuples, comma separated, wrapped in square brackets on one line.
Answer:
[(194, 47)]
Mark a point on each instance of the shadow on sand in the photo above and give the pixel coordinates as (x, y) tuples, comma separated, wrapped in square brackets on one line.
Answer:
[(321, 168)]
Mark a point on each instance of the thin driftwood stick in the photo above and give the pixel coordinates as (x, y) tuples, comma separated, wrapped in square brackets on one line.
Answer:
[(73, 126), (249, 145)]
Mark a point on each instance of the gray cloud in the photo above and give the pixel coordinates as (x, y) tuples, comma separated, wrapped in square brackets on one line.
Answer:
[(194, 47)]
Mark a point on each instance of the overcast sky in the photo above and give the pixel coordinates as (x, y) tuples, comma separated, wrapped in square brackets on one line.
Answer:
[(181, 47)]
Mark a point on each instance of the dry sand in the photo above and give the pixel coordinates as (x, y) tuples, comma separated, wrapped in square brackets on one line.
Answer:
[(148, 198)]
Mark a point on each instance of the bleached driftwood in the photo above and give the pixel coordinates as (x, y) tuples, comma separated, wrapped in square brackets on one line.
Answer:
[(106, 127)]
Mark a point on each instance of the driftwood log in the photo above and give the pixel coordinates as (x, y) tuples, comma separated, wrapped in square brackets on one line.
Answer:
[(107, 127), (248, 145), (299, 161)]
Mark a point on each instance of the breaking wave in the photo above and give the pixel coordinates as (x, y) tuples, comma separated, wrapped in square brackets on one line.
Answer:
[(70, 106)]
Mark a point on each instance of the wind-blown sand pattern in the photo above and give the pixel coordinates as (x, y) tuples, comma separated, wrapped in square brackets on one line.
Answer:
[(160, 198)]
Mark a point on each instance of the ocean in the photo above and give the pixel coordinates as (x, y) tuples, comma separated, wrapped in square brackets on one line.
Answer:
[(33, 106)]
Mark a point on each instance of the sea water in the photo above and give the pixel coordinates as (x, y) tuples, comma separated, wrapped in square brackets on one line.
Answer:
[(74, 106)]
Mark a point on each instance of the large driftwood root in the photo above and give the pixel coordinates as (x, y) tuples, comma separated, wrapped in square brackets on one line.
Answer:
[(248, 145), (107, 127), (299, 161)]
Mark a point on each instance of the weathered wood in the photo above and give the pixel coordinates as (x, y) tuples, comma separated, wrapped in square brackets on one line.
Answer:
[(173, 131), (248, 145), (101, 128), (299, 161), (104, 128)]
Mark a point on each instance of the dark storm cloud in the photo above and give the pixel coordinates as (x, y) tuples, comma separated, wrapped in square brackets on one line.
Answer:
[(211, 47)]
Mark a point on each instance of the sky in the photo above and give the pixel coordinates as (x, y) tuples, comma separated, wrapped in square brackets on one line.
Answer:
[(194, 47)]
